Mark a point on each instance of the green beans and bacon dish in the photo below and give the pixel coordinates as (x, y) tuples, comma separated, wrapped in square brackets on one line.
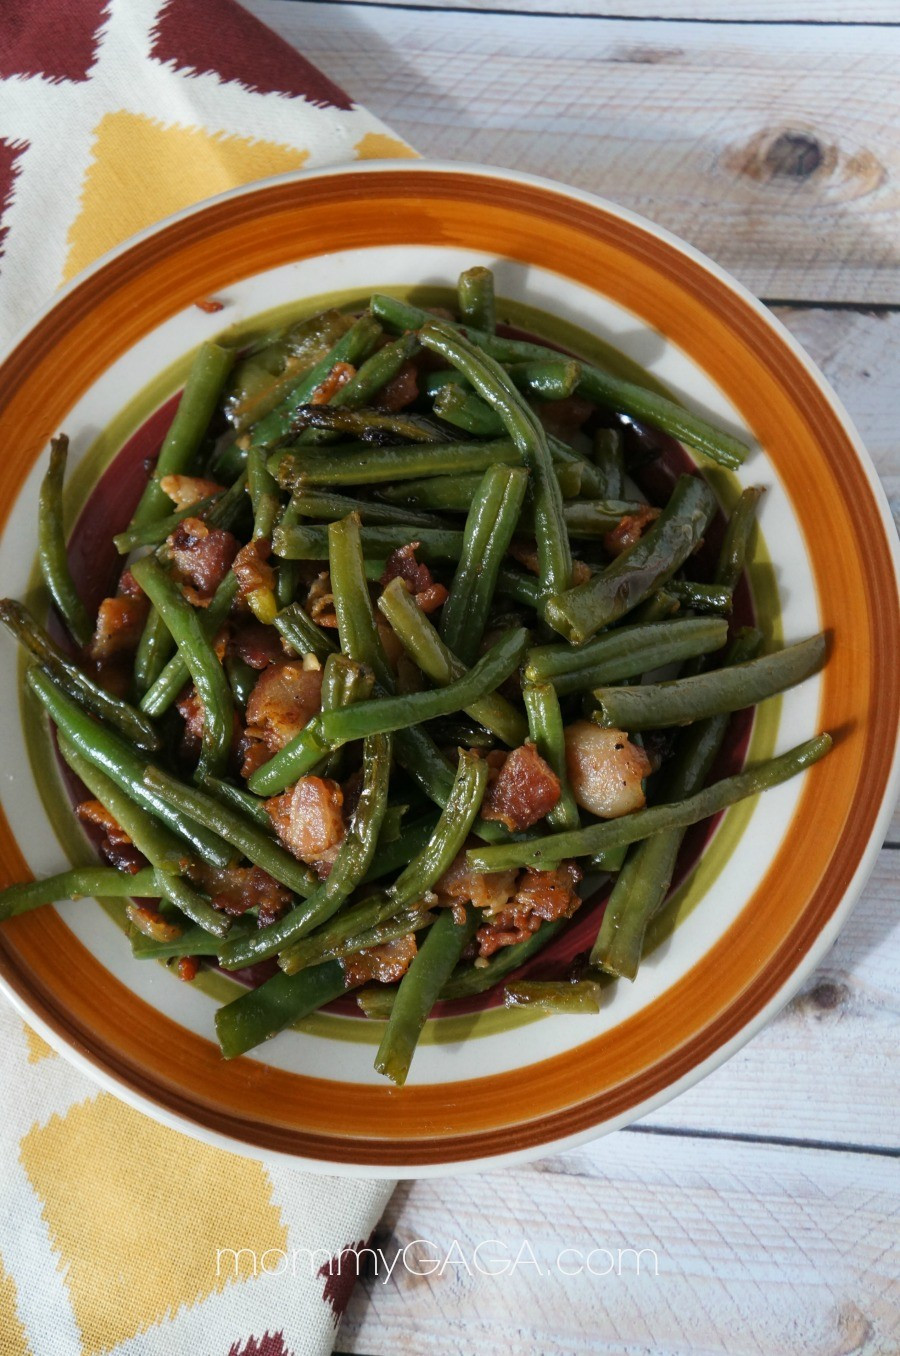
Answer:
[(406, 654)]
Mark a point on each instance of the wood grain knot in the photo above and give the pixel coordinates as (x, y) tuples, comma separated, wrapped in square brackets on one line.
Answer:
[(796, 157), (827, 995), (643, 54)]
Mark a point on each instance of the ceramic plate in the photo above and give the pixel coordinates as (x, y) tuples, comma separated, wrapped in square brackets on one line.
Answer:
[(774, 879)]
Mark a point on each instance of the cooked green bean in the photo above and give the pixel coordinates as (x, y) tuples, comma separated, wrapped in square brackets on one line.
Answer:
[(423, 644), (489, 530), (297, 627), (160, 696), (241, 679), (548, 379), (454, 494), (263, 488), (191, 941), (430, 969), (311, 543), (199, 655), (155, 530), (631, 828), (236, 798), (389, 856), (235, 827), (247, 1021), (154, 652), (85, 691), (730, 565), (682, 700), (371, 426), (123, 764), (609, 459), (551, 996), (329, 508), (701, 597), (527, 432), (580, 612), (546, 726), (624, 653), (361, 464), (338, 935), (385, 714), (52, 553), (375, 373), (205, 381), (79, 883), (475, 294)]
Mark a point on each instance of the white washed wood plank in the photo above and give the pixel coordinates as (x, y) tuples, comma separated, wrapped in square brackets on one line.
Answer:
[(676, 120), (758, 11), (760, 1251)]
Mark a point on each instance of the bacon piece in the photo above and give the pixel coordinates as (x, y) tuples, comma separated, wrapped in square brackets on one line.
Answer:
[(524, 791), (235, 889), (250, 566), (418, 578), (386, 963), (629, 529), (186, 968), (187, 490), (284, 699), (209, 305), (541, 896), (488, 890), (129, 586), (118, 628), (257, 645), (325, 392), (400, 391), (320, 601), (526, 554), (605, 769), (190, 708), (93, 812), (148, 920), (309, 821), (202, 557)]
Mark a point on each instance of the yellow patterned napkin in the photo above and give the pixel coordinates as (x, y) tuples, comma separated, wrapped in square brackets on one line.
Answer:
[(117, 1235)]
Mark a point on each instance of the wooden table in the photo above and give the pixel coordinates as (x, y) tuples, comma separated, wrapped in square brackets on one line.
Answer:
[(766, 132)]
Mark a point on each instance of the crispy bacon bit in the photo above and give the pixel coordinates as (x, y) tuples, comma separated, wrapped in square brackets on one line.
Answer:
[(235, 889), (309, 821), (605, 769), (386, 963), (400, 391), (488, 890), (151, 923), (209, 305), (190, 708), (93, 812), (251, 568), (418, 578), (284, 699), (129, 586), (541, 896), (202, 557), (187, 490), (629, 529), (187, 967), (524, 791), (253, 754), (320, 601), (118, 628), (325, 392), (123, 856), (255, 644), (526, 554)]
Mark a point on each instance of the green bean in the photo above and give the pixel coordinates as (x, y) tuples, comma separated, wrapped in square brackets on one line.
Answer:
[(163, 691), (153, 653), (328, 507), (423, 644), (660, 606), (454, 494), (548, 379), (625, 397), (391, 930), (385, 714), (352, 347), (87, 693), (554, 996), (311, 543), (730, 565), (682, 700), (196, 407), (547, 852), (343, 683), (490, 525), (296, 626), (241, 679), (52, 553), (155, 841), (645, 878), (337, 935), (581, 611), (236, 798), (79, 883), (376, 372), (609, 459), (123, 764), (362, 464), (288, 570), (522, 588), (247, 1021), (156, 530), (527, 432), (611, 860), (351, 864), (546, 726), (400, 850), (475, 293), (623, 653), (374, 426), (263, 489), (200, 657), (419, 988), (235, 827), (701, 597), (288, 359), (468, 412), (192, 940), (227, 509)]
